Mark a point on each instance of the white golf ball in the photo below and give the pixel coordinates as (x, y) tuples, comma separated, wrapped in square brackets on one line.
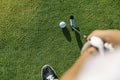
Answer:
[(62, 24), (84, 36)]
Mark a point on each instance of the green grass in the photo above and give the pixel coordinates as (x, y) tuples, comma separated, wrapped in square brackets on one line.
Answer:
[(30, 36)]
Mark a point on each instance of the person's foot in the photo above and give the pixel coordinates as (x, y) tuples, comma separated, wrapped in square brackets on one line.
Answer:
[(48, 73)]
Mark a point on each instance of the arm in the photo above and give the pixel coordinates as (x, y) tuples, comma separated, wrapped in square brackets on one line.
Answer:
[(72, 72), (110, 36)]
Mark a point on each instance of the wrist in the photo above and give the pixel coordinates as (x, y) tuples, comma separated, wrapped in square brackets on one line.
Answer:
[(90, 50)]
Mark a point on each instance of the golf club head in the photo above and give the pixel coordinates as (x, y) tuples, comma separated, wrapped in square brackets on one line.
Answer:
[(72, 23)]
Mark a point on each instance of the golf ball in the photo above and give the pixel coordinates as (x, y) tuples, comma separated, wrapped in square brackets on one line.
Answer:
[(62, 24), (84, 36)]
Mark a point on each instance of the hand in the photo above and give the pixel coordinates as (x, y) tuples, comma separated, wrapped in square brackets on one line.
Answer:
[(109, 36), (90, 51)]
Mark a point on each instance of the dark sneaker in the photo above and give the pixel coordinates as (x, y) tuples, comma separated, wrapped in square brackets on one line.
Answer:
[(48, 73)]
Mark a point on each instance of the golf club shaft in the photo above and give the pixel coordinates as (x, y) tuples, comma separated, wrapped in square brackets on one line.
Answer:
[(76, 30)]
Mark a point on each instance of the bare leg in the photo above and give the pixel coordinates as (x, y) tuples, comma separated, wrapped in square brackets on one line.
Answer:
[(73, 71)]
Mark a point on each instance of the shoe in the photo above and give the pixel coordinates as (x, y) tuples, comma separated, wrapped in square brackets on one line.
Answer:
[(48, 73)]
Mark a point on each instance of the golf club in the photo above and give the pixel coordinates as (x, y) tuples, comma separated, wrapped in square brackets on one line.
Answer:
[(72, 24)]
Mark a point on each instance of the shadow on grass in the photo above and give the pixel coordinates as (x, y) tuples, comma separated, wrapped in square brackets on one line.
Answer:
[(78, 38), (66, 34)]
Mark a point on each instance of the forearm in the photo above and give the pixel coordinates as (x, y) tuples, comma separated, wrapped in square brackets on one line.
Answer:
[(110, 36), (73, 71), (113, 36)]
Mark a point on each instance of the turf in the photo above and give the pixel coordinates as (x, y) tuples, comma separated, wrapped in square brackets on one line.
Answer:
[(30, 35)]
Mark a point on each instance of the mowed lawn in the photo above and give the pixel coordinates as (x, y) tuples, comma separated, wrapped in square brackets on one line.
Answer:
[(30, 36)]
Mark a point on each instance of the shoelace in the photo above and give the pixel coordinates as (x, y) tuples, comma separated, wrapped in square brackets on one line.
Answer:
[(50, 77)]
